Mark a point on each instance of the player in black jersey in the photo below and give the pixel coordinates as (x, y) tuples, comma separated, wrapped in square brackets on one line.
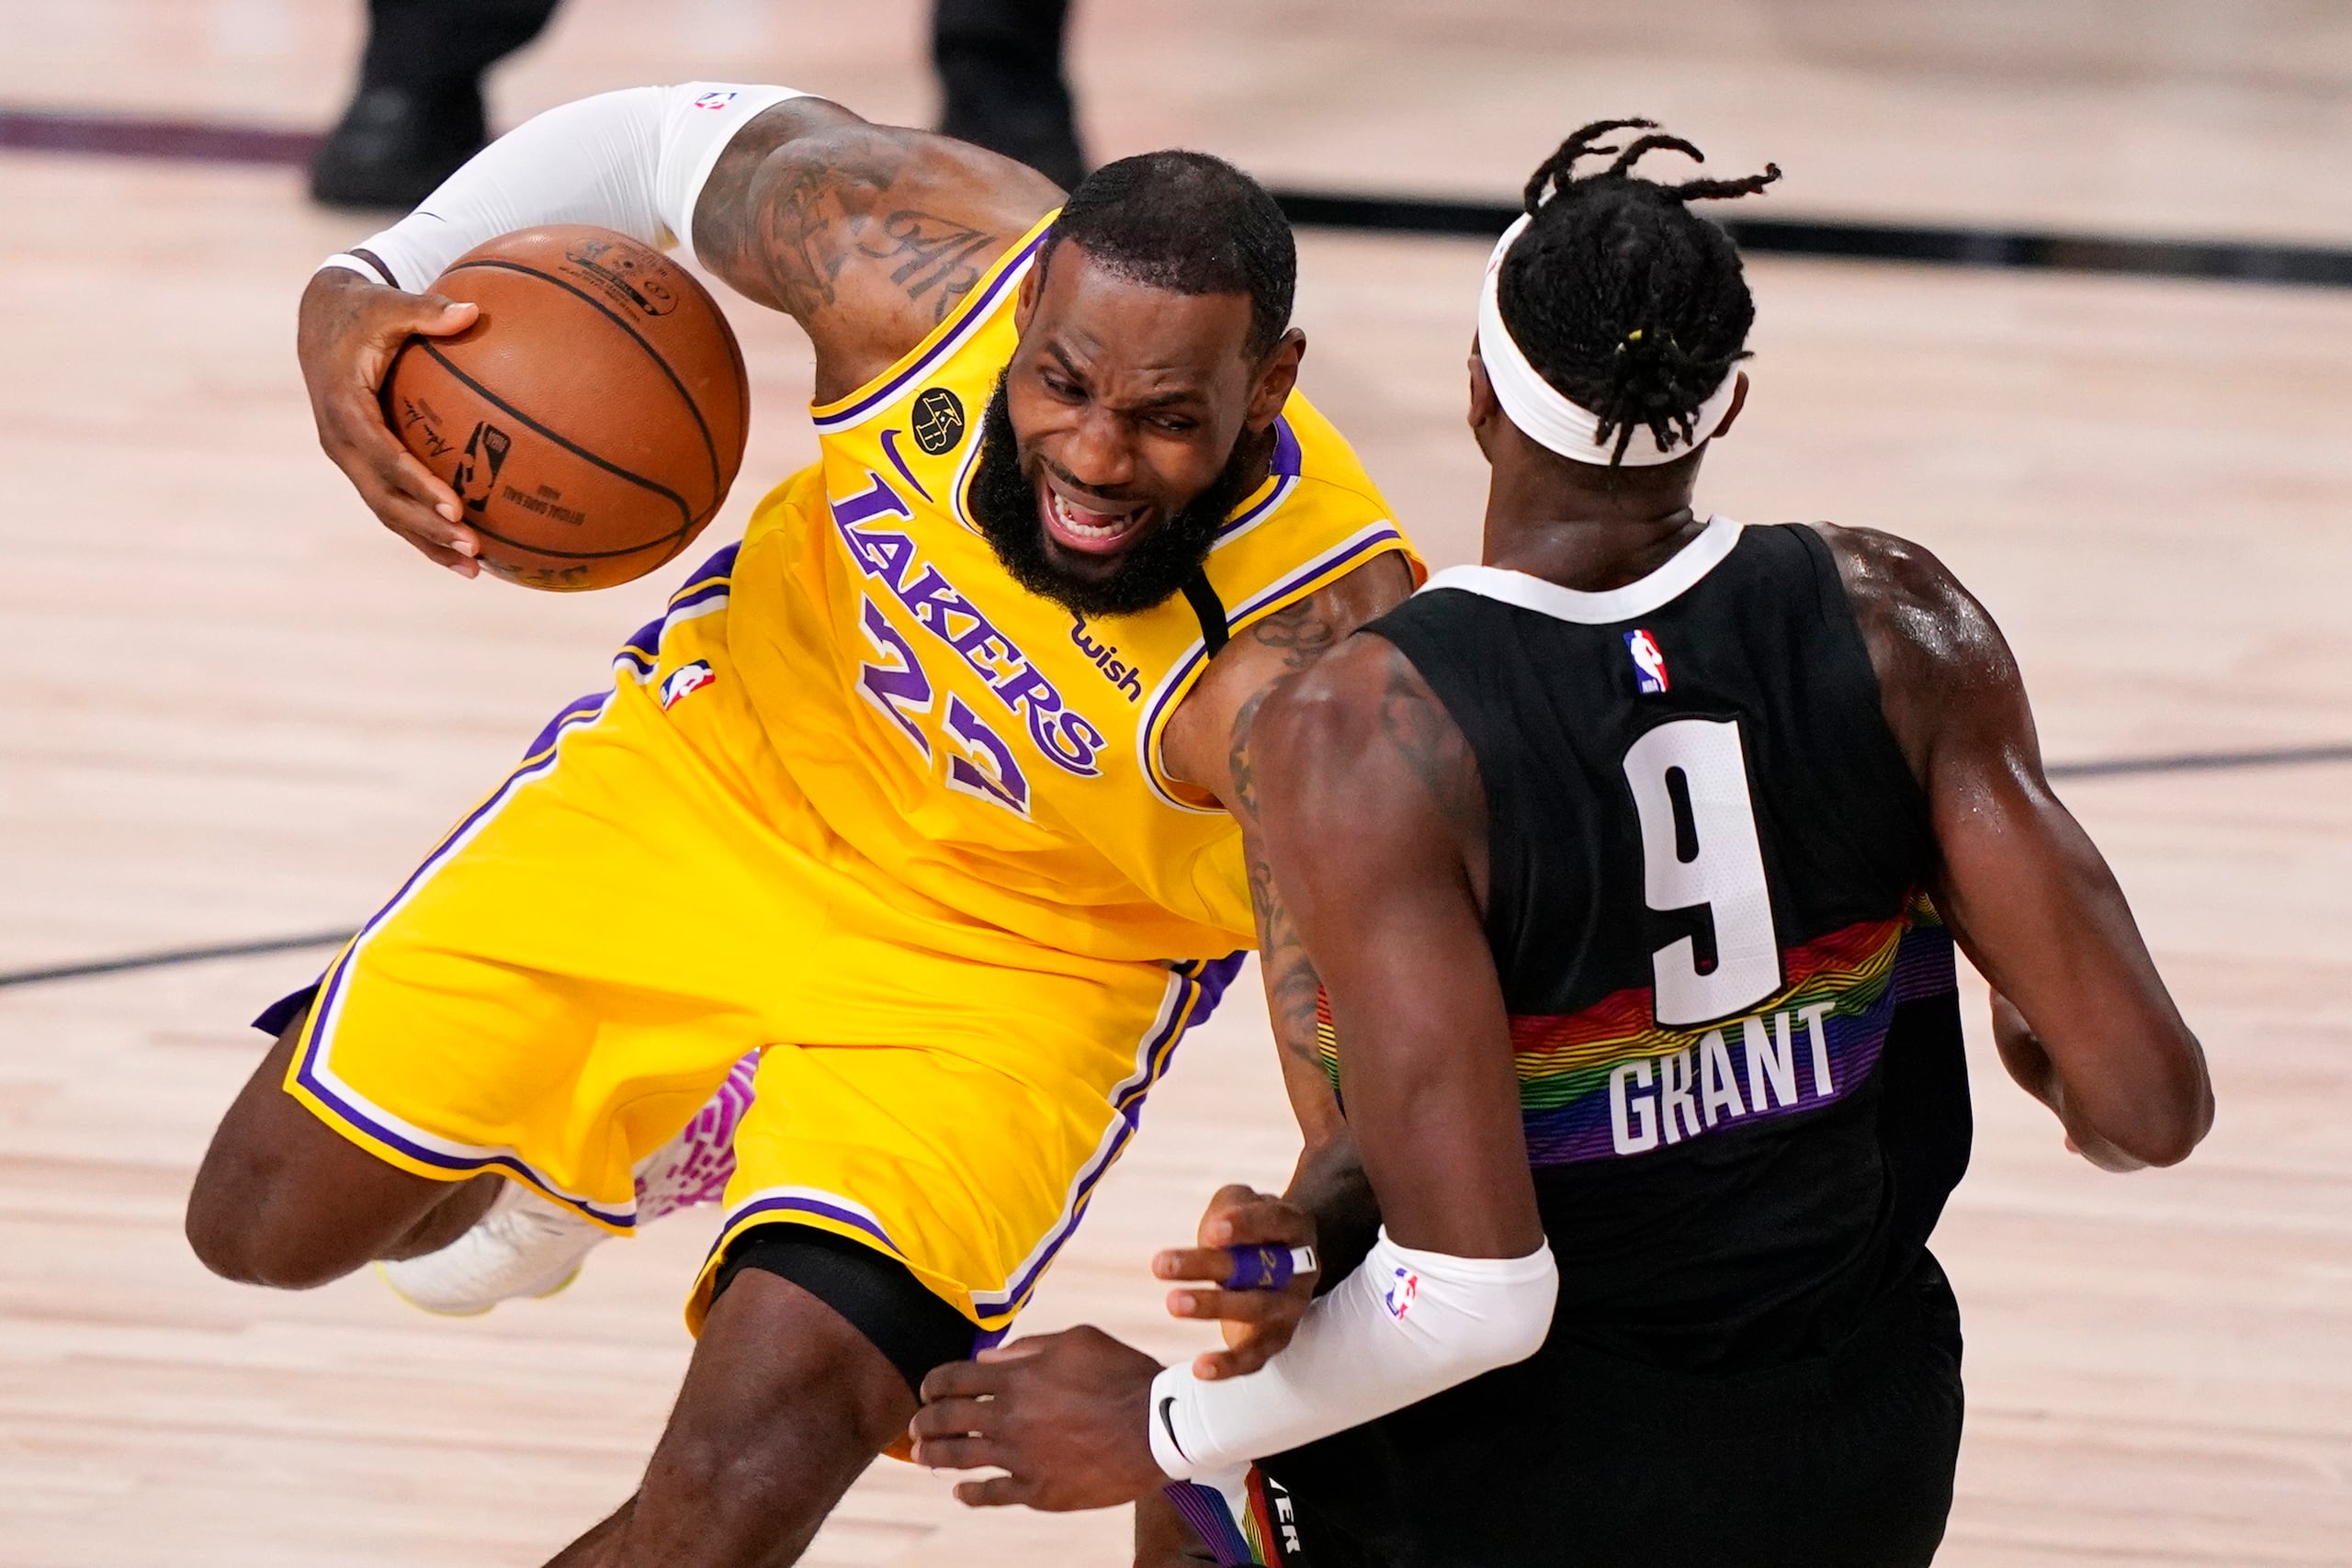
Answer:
[(1632, 861)]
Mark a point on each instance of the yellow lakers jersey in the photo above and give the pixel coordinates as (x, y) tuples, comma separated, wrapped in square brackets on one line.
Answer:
[(976, 744)]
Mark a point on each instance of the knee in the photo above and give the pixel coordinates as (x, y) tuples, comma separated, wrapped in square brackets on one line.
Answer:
[(238, 1233)]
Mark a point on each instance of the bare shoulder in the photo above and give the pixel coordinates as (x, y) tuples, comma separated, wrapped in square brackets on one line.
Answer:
[(1933, 646), (1363, 727), (1211, 727), (867, 234)]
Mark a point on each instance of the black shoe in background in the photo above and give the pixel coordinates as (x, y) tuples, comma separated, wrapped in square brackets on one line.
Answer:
[(394, 145)]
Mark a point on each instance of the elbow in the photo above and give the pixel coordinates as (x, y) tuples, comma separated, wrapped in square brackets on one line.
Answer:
[(2166, 1128), (2181, 1133)]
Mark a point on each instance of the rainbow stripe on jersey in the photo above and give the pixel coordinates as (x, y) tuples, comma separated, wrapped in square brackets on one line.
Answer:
[(1608, 1082)]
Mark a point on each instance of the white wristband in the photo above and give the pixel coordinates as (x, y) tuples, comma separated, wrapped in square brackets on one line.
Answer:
[(1405, 1325), (345, 261)]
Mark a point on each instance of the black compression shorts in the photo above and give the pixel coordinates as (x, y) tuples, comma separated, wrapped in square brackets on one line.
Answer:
[(879, 1295)]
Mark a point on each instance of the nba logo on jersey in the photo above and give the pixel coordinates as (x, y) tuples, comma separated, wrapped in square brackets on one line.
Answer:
[(1650, 664), (715, 100), (684, 681)]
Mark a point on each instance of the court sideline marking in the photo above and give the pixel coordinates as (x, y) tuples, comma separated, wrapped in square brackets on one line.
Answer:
[(209, 141), (2116, 767)]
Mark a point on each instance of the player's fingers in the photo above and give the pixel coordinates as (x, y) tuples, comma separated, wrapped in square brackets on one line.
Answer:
[(464, 565), (1019, 1350), (1193, 1263), (962, 1379), (1000, 1492), (1260, 1221), (1236, 1306), (1223, 1201), (958, 1454), (1240, 1360), (434, 316), (953, 1417), (352, 434)]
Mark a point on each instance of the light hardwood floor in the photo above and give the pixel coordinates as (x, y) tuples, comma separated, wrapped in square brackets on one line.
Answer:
[(235, 708)]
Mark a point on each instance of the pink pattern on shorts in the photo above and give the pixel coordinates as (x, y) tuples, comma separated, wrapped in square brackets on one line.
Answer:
[(693, 1168)]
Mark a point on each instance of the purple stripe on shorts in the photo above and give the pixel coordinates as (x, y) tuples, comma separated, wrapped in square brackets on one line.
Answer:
[(279, 1016), (306, 1068), (1191, 1007), (787, 1204)]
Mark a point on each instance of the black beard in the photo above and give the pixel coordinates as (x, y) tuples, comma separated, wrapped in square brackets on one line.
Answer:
[(1004, 502)]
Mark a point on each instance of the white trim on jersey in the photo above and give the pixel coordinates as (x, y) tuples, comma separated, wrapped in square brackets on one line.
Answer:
[(1662, 587)]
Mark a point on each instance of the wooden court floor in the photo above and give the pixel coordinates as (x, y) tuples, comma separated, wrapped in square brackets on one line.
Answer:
[(235, 708)]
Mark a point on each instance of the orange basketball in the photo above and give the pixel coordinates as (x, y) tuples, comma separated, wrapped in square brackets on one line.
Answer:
[(592, 417)]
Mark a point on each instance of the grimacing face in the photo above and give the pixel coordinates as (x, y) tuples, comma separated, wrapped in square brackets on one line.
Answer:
[(1127, 425)]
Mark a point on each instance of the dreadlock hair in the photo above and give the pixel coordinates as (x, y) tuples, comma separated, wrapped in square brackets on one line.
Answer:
[(1620, 296), (1190, 223)]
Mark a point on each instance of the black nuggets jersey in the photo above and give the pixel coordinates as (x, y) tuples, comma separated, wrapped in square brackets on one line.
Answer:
[(1732, 1006)]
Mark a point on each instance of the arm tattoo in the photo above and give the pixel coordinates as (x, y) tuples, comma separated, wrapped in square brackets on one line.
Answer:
[(1292, 984), (1416, 724), (1304, 632), (938, 253), (809, 197), (819, 203)]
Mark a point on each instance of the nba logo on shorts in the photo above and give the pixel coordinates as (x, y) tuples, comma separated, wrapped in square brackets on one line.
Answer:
[(1650, 664), (684, 681)]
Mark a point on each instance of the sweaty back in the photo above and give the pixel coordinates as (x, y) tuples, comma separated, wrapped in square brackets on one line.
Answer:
[(1732, 1003)]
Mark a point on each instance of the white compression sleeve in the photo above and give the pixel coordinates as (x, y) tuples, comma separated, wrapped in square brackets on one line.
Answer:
[(1405, 1325), (634, 160)]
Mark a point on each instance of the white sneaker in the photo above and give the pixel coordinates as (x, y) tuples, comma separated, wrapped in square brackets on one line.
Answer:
[(525, 1245)]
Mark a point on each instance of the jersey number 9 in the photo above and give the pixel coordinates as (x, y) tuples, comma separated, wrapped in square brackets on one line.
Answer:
[(1699, 847)]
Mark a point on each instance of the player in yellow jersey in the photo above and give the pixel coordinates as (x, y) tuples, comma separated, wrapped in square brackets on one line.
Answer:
[(918, 795)]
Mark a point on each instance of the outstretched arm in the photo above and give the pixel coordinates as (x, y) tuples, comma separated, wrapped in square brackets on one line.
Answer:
[(866, 234), (1373, 822), (1327, 1203), (2087, 1026)]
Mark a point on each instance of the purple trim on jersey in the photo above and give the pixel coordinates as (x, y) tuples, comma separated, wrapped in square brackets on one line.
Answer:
[(1287, 460), (1172, 689), (710, 580), (569, 712), (1204, 1508), (1284, 466), (976, 312)]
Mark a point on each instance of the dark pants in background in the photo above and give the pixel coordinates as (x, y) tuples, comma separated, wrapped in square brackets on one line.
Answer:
[(418, 112)]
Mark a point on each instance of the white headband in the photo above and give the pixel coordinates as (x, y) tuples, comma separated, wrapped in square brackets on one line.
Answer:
[(1545, 413)]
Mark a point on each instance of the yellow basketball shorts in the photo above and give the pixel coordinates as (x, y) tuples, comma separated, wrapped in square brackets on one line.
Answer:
[(569, 976)]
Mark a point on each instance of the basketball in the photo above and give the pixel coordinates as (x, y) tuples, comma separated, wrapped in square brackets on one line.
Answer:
[(592, 417)]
